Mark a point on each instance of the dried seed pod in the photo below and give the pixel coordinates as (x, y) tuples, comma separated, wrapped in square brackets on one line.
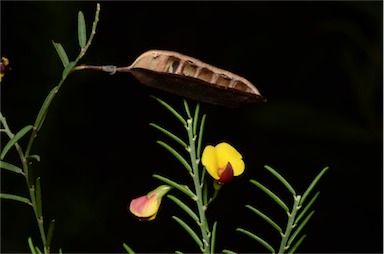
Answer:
[(192, 78)]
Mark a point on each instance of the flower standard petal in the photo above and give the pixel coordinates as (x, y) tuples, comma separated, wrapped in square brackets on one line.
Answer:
[(216, 160), (209, 161), (227, 153)]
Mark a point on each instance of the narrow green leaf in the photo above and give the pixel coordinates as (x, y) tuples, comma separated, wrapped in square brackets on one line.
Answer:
[(306, 208), (15, 138), (205, 191), (170, 109), (61, 52), (271, 194), (299, 228), (128, 249), (15, 197), (281, 179), (314, 182), (177, 155), (184, 207), (228, 252), (38, 250), (257, 238), (39, 205), (189, 231), (213, 237), (33, 157), (182, 188), (31, 246), (265, 217), (196, 118), (200, 137), (68, 69), (44, 109), (81, 28), (297, 244), (50, 232), (186, 106), (169, 134), (10, 167)]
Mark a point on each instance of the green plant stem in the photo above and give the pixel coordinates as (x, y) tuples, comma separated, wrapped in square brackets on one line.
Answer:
[(30, 185), (43, 111), (64, 77), (196, 180), (290, 224)]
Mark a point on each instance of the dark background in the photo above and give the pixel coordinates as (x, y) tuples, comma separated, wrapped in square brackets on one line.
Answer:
[(319, 64)]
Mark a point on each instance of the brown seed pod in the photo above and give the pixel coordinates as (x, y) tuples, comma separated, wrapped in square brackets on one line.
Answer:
[(191, 78)]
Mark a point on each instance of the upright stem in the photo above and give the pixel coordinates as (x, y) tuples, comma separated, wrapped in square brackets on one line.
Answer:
[(290, 224), (30, 185), (198, 188)]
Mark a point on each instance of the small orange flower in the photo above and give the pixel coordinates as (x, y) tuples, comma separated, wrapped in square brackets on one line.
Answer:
[(147, 206), (222, 162)]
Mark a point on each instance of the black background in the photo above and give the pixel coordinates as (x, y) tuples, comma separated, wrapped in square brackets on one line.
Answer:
[(319, 64)]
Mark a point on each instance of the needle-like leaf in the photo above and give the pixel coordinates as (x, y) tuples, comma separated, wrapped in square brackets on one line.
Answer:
[(297, 244), (281, 179), (128, 249), (314, 182), (189, 230), (257, 238), (265, 217), (169, 134), (177, 155), (15, 197), (200, 137), (170, 109), (10, 167), (299, 228), (306, 208), (184, 207), (213, 238), (15, 138), (271, 194), (182, 188)]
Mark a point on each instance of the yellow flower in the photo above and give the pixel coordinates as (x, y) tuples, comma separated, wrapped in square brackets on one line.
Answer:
[(222, 162), (3, 67), (147, 206)]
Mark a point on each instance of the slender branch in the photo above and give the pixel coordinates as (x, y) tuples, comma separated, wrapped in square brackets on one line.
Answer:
[(198, 189), (290, 224)]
